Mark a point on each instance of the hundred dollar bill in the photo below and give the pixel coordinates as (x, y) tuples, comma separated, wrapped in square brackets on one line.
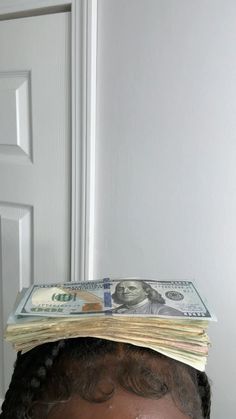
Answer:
[(131, 297)]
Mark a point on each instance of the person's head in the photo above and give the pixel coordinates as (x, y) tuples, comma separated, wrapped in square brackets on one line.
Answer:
[(89, 378), (132, 292)]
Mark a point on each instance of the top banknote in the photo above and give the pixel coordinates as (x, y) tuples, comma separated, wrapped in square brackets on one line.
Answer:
[(130, 297)]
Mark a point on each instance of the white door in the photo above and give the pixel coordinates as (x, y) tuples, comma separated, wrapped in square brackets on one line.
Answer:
[(35, 151)]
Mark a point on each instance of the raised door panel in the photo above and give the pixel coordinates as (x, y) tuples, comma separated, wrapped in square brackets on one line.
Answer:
[(15, 117), (15, 272)]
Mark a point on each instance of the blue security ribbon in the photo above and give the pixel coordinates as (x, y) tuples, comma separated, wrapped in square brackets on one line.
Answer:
[(107, 293)]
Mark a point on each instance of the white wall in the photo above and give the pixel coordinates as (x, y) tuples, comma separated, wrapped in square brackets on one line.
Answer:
[(166, 156)]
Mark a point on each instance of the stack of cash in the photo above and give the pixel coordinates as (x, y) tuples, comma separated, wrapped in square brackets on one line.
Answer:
[(167, 316)]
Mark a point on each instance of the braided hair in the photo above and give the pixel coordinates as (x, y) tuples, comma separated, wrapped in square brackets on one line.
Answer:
[(52, 373), (30, 372)]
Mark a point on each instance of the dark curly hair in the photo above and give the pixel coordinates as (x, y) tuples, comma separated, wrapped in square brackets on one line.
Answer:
[(53, 372)]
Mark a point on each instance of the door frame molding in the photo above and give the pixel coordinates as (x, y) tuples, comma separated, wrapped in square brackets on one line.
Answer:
[(83, 118)]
